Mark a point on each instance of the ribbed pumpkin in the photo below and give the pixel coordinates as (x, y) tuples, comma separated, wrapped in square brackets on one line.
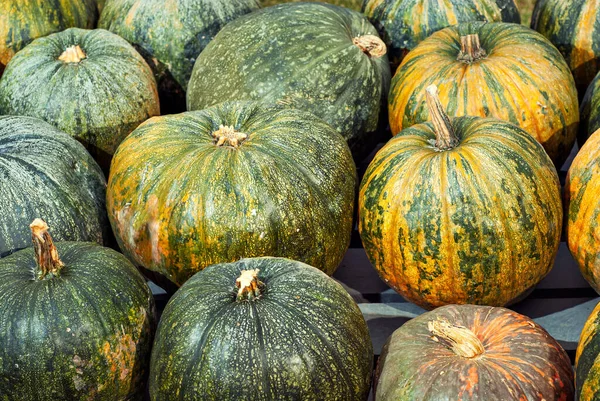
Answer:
[(91, 84), (21, 21), (573, 26), (352, 4), (45, 172), (77, 321), (235, 180), (312, 56), (587, 363), (497, 70), (460, 211), (171, 34), (590, 112), (261, 329), (405, 23), (475, 353)]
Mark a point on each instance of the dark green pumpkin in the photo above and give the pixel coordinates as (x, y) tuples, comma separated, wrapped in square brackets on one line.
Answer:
[(352, 4), (291, 333), (590, 112), (81, 331), (45, 172), (301, 55), (91, 84), (171, 34)]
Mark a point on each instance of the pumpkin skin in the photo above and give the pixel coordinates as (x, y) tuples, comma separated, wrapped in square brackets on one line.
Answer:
[(178, 202), (351, 4), (303, 56), (590, 112), (84, 334), (302, 338), (523, 80), (520, 360), (47, 173), (586, 359), (171, 34), (22, 21), (74, 95)]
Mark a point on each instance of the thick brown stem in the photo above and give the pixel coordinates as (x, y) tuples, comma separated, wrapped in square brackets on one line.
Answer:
[(371, 45), (73, 54), (228, 136), (445, 137), (470, 49), (46, 254), (249, 287), (462, 341)]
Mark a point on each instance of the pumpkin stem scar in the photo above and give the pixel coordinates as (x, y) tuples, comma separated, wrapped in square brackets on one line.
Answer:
[(470, 49), (227, 135), (46, 254), (462, 341), (445, 137), (73, 54), (249, 287), (371, 45)]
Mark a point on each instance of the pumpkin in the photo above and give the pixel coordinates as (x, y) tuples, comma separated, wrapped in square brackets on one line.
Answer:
[(476, 353), (100, 5), (312, 56), (573, 26), (352, 4), (497, 70), (590, 112), (587, 364), (47, 173), (89, 83), (171, 35), (76, 320), (21, 21), (405, 23), (261, 329), (464, 210), (235, 180)]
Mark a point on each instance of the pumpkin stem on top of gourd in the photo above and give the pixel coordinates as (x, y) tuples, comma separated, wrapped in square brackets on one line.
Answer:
[(226, 135), (371, 45), (462, 341), (73, 55), (248, 285), (470, 49), (445, 137), (46, 255)]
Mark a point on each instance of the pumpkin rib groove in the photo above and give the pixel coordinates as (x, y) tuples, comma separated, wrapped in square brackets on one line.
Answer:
[(262, 350)]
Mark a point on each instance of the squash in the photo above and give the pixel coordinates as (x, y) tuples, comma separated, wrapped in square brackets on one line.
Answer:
[(351, 4), (587, 363), (497, 70), (405, 23), (476, 353), (312, 56), (22, 21), (261, 329), (90, 84), (464, 210), (590, 112), (235, 180), (77, 322), (47, 173), (171, 35)]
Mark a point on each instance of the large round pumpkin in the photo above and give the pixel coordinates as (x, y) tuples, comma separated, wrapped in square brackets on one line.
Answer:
[(587, 363), (466, 210), (77, 323), (352, 4), (590, 112), (312, 56), (171, 35), (236, 180), (90, 84), (475, 353), (261, 329), (497, 70), (45, 172)]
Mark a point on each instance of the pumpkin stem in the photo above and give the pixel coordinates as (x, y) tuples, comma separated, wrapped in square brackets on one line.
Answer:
[(249, 286), (371, 45), (445, 137), (462, 341), (227, 136), (73, 54), (46, 254), (470, 49)]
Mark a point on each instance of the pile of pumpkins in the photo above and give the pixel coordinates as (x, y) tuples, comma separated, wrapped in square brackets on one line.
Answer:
[(244, 204)]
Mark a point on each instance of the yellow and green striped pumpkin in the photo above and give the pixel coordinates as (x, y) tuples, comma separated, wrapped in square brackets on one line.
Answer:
[(587, 361), (590, 111)]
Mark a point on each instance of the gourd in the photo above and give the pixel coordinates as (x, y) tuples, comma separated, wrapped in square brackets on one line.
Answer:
[(586, 359), (590, 112)]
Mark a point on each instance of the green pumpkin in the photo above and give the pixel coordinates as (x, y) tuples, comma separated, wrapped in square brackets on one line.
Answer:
[(312, 56), (351, 4), (590, 112), (171, 34), (236, 180), (47, 173), (90, 84), (77, 322), (261, 329)]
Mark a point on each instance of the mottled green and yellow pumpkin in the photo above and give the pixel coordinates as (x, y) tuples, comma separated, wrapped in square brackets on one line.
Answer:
[(475, 353), (352, 4), (497, 70), (77, 323), (587, 361), (464, 210), (235, 180), (590, 112), (261, 329)]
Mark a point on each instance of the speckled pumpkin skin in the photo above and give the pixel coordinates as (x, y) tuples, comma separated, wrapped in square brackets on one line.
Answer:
[(351, 4), (523, 80), (303, 339), (478, 224), (587, 363), (177, 202), (521, 360), (303, 57), (22, 21), (47, 173), (80, 336), (590, 112)]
